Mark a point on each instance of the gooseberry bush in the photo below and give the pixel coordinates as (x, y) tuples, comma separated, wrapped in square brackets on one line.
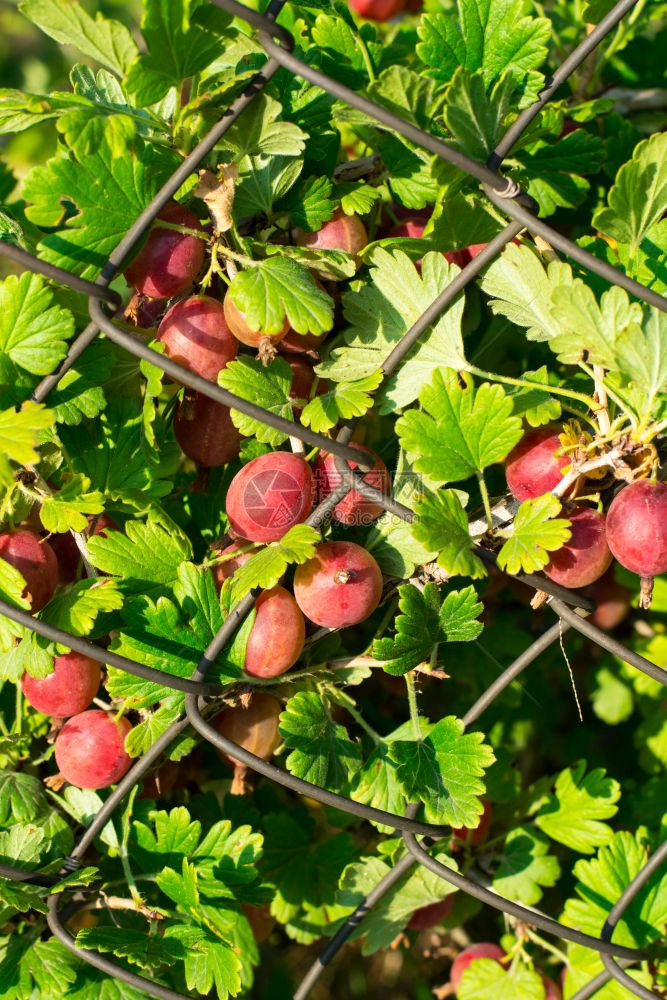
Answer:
[(524, 433)]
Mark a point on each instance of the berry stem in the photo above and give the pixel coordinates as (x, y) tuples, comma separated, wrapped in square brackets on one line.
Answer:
[(485, 500), (611, 394), (524, 383), (412, 702)]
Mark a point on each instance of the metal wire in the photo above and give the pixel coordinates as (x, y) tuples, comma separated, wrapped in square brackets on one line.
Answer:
[(568, 605)]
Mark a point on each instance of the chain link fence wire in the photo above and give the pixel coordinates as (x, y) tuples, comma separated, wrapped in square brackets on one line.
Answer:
[(569, 606)]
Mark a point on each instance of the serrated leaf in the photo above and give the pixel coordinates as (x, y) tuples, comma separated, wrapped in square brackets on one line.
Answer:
[(267, 386), (145, 553), (638, 198), (425, 622), (107, 41), (343, 400), (106, 191), (68, 509), (536, 531), (459, 431), (279, 287), (266, 567), (587, 327), (521, 290), (604, 878), (19, 432), (177, 47), (75, 608), (33, 331), (525, 866), (444, 771), (321, 750), (486, 979), (641, 357), (262, 134), (441, 523), (311, 205), (22, 797), (384, 922), (491, 35), (382, 312), (356, 198), (132, 945), (573, 814), (475, 118)]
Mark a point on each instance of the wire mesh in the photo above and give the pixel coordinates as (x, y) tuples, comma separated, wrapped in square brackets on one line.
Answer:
[(569, 606)]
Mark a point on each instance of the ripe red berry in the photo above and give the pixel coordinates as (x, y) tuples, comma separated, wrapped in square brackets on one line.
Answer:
[(278, 634), (637, 531), (413, 226), (341, 232), (238, 324), (90, 749), (551, 989), (303, 376), (469, 955), (585, 556), (254, 728), (68, 690), (377, 10), (301, 343), (533, 467), (341, 585), (269, 495), (169, 261), (36, 562), (612, 599), (223, 570), (474, 835), (195, 334), (353, 508), (205, 432), (430, 916)]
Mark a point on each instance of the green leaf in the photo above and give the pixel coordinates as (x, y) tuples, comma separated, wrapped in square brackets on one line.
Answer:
[(280, 287), (261, 134), (521, 289), (491, 35), (106, 41), (384, 922), (486, 979), (67, 509), (311, 206), (552, 169), (269, 564), (382, 312), (20, 431), (22, 798), (603, 879), (79, 392), (587, 327), (321, 750), (177, 47), (51, 966), (638, 198), (356, 198), (536, 531), (107, 193), (444, 771), (459, 431), (33, 331), (75, 608), (612, 700), (475, 118), (641, 357), (145, 554), (343, 400), (412, 97), (426, 622), (267, 386), (573, 814), (441, 523), (525, 866), (132, 945), (459, 221)]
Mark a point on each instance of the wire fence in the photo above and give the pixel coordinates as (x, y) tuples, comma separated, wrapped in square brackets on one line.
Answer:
[(105, 304)]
